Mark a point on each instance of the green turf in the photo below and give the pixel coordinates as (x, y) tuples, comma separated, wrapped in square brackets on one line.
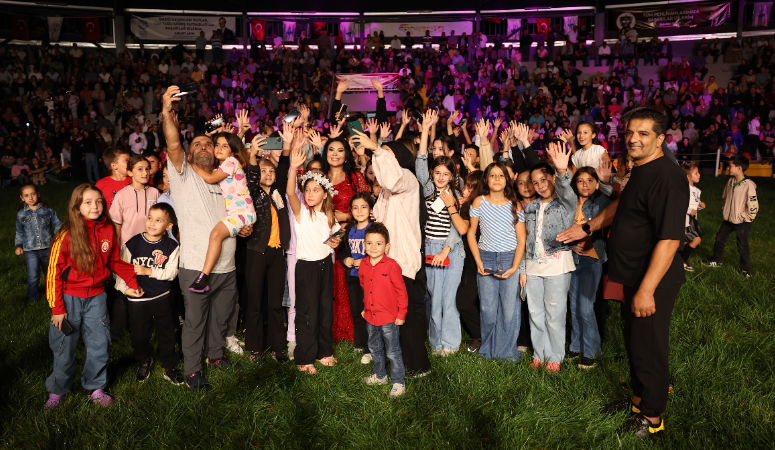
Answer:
[(722, 360)]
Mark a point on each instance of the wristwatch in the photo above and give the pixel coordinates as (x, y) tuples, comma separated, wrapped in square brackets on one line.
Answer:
[(586, 228)]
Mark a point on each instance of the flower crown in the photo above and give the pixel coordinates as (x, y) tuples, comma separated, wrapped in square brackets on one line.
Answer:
[(321, 180)]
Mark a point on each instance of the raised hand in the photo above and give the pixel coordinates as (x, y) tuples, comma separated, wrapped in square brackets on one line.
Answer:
[(255, 144), (297, 158), (531, 134), (376, 83), (287, 132), (304, 110), (215, 117), (604, 171), (428, 119), (384, 130), (560, 155), (505, 138), (372, 124), (566, 135), (227, 128), (496, 123), (243, 122), (457, 131), (342, 86), (405, 118), (483, 129), (335, 132), (435, 118), (316, 139), (453, 116), (363, 142), (168, 100)]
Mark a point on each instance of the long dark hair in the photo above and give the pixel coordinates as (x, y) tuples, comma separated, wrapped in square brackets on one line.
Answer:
[(595, 131), (473, 181), (447, 162), (508, 191), (592, 173), (238, 149), (349, 162)]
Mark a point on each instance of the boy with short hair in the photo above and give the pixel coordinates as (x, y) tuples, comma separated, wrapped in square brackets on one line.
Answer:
[(385, 303), (116, 158), (740, 208)]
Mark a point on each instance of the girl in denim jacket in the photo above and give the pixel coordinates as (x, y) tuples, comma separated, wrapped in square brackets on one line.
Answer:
[(34, 224), (594, 191), (442, 242), (548, 263)]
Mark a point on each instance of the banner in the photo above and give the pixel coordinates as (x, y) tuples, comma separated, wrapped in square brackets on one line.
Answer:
[(289, 31), (350, 31), (20, 26), (180, 28), (542, 26), (318, 28), (418, 28), (513, 26), (54, 28), (570, 22), (761, 14), (258, 28), (91, 29), (684, 15)]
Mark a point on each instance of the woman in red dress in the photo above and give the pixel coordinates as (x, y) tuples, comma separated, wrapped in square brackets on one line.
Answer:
[(339, 164)]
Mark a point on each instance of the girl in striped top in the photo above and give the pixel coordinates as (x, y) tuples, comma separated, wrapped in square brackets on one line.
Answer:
[(499, 217), (443, 243)]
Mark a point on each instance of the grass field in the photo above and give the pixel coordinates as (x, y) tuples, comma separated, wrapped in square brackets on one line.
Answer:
[(722, 361)]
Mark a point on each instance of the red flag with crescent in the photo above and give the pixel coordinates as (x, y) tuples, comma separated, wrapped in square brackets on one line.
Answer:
[(91, 29), (258, 27), (318, 28), (20, 26)]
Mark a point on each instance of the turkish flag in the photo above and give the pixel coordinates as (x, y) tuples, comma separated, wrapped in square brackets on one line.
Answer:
[(20, 26), (318, 27), (91, 29), (258, 27), (543, 25)]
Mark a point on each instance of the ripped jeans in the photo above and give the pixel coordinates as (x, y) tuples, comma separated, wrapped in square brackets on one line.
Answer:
[(89, 318), (547, 300)]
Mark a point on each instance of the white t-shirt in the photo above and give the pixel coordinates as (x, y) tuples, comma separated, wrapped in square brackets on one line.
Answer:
[(544, 265), (311, 232), (694, 201), (753, 126), (588, 158)]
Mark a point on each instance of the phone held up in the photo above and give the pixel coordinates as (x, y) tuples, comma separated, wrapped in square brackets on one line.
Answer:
[(187, 89), (214, 125)]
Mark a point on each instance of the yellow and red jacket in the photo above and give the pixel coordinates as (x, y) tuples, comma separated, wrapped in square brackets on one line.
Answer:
[(62, 277)]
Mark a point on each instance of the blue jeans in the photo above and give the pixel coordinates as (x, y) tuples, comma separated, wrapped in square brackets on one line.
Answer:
[(547, 301), (500, 308), (584, 337), (390, 333), (92, 171), (36, 259), (89, 318), (442, 287)]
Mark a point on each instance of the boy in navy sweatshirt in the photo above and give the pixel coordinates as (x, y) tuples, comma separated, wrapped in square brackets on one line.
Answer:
[(155, 258)]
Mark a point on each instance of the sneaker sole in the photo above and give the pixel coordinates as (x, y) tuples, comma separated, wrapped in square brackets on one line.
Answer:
[(174, 383), (582, 366), (199, 291)]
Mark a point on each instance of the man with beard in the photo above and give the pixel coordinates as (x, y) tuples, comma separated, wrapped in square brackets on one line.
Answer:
[(199, 207)]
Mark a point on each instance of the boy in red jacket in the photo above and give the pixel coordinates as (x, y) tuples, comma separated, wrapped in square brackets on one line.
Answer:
[(385, 305), (84, 252)]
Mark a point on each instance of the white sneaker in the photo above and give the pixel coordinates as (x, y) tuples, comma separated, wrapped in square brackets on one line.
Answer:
[(439, 352), (375, 380), (447, 352), (522, 348), (398, 390), (291, 348), (233, 345), (366, 358)]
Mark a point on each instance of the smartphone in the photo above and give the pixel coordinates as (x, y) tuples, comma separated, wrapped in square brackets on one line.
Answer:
[(417, 117), (371, 115), (291, 116), (354, 125), (429, 260), (67, 328), (214, 125), (186, 89), (342, 114), (273, 143), (338, 235), (492, 271)]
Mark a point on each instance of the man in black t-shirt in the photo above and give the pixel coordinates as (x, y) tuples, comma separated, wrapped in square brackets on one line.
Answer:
[(647, 230)]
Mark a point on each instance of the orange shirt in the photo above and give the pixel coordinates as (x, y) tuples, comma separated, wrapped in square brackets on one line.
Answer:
[(589, 250), (274, 235)]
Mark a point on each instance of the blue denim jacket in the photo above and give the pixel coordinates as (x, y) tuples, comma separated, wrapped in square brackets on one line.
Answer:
[(423, 176), (590, 210), (33, 228), (558, 217)]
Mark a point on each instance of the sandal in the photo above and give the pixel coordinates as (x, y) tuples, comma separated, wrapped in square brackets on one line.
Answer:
[(328, 361), (307, 368)]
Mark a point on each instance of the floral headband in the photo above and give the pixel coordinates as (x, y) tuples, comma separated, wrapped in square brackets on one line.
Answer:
[(321, 180)]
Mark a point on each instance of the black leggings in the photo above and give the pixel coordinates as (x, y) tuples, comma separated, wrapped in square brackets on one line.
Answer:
[(314, 310), (269, 265), (356, 306)]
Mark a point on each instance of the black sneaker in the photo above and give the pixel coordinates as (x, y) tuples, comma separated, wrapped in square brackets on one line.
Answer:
[(201, 284), (688, 267), (223, 363), (418, 374), (280, 357), (711, 263), (746, 273), (197, 382), (571, 355), (642, 427), (174, 376), (586, 363), (620, 406), (472, 345), (144, 371)]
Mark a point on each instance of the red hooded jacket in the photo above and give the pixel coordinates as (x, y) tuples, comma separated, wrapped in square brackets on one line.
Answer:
[(62, 277)]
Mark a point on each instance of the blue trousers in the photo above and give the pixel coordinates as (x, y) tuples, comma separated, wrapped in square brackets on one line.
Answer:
[(36, 260), (89, 318), (390, 334), (500, 308), (584, 337), (445, 331)]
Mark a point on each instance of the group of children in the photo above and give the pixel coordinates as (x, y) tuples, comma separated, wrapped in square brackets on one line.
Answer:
[(505, 220)]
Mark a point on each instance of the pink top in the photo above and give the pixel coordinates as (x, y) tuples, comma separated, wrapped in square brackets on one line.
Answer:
[(130, 208), (235, 187)]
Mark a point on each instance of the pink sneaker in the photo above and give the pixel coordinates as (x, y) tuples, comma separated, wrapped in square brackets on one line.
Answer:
[(99, 397), (53, 400), (552, 367), (536, 364)]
